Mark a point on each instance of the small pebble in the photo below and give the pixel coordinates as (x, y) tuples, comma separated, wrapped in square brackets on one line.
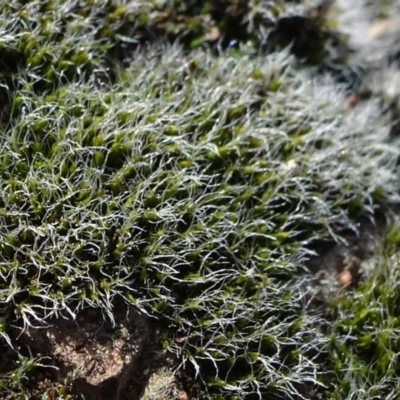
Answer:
[(183, 395), (345, 277)]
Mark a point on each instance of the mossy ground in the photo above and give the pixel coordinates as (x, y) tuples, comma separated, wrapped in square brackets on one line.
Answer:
[(192, 182)]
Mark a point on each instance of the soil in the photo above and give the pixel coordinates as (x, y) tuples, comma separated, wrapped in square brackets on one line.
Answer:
[(97, 360), (339, 267)]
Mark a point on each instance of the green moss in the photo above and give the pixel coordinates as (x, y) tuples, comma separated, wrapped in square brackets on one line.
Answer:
[(191, 186), (366, 333)]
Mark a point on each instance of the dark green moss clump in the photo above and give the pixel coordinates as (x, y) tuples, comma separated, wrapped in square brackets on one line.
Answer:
[(51, 43), (192, 191), (365, 344), (190, 185)]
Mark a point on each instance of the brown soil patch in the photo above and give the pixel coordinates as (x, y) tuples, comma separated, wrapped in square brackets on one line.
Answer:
[(97, 360), (342, 266)]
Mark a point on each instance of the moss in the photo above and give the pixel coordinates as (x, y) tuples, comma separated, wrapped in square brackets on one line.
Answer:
[(191, 185), (239, 177), (369, 320), (84, 49)]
